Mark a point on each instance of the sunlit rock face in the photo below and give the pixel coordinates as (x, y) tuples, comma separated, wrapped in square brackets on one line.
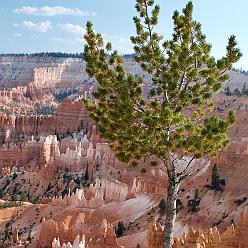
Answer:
[(47, 72), (233, 236), (43, 71), (104, 191), (59, 235), (70, 116)]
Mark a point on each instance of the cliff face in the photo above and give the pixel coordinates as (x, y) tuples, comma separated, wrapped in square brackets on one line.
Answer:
[(44, 151), (47, 72), (69, 73), (19, 70), (25, 100), (43, 71), (70, 116)]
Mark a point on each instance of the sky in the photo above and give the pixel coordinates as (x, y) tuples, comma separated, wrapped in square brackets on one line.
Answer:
[(29, 26)]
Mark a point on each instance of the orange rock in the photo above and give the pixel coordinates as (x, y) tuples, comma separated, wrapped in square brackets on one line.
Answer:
[(232, 237)]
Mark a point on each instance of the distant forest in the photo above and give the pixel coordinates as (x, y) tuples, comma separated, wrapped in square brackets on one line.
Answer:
[(47, 54), (55, 55), (236, 92), (244, 72)]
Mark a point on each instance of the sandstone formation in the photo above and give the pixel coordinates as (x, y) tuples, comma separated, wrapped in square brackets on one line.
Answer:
[(47, 71), (15, 235), (76, 243), (232, 237), (75, 154), (155, 184), (54, 234), (25, 100), (66, 72), (104, 191), (21, 70), (154, 235), (70, 116), (70, 71)]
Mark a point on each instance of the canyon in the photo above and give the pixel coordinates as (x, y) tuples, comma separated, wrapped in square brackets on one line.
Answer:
[(61, 186)]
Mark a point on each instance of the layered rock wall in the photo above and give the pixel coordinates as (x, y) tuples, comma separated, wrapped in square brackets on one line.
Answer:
[(19, 156), (19, 70), (70, 72), (48, 71), (155, 183), (70, 116)]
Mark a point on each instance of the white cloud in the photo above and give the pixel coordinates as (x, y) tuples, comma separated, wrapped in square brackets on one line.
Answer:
[(68, 41), (76, 29), (37, 27), (80, 40), (18, 35), (116, 38), (53, 11), (63, 40)]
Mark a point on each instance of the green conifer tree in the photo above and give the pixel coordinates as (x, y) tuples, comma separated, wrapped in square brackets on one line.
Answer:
[(23, 197), (244, 89), (227, 91), (237, 92), (120, 229), (215, 175), (162, 207), (175, 123), (86, 175)]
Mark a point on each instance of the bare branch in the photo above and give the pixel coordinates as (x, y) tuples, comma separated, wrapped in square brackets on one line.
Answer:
[(182, 175)]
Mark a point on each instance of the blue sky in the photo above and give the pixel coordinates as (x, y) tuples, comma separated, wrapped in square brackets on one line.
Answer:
[(29, 26)]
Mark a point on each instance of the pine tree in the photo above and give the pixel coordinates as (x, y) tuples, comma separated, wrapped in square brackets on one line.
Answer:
[(23, 197), (215, 175), (175, 123), (162, 207), (237, 92), (244, 89), (193, 204), (227, 91), (68, 132), (86, 175), (120, 229), (7, 231)]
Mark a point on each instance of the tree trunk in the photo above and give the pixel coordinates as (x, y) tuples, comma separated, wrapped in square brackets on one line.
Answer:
[(170, 213)]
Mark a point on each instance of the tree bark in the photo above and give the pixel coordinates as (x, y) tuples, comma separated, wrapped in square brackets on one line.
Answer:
[(170, 214)]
